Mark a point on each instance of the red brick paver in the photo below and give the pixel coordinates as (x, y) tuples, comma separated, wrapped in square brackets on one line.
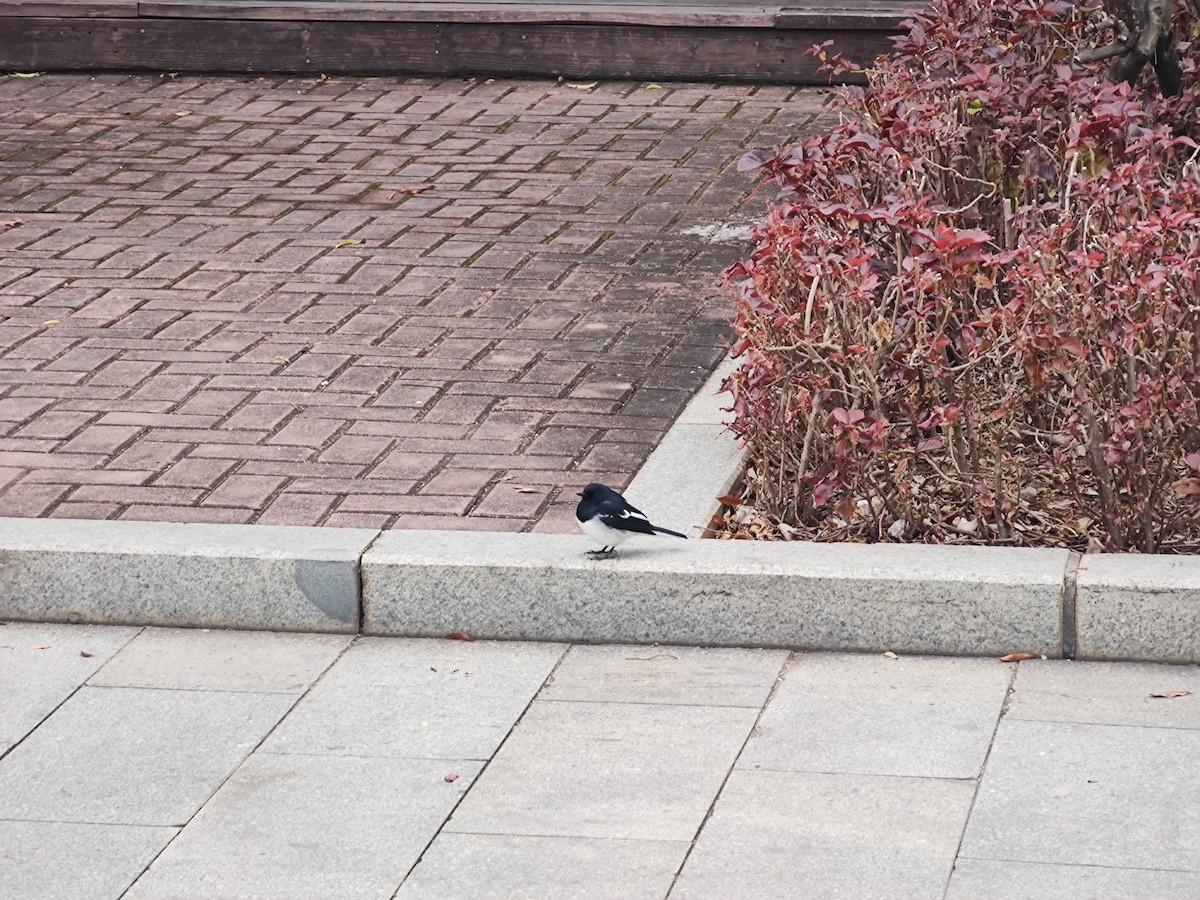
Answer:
[(240, 300)]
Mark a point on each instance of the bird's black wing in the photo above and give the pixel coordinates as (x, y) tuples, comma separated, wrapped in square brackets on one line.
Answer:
[(623, 517)]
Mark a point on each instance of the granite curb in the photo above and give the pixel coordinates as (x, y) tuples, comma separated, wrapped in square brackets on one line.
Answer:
[(904, 598)]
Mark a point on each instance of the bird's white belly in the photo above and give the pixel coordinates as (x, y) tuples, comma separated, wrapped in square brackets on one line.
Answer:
[(602, 534)]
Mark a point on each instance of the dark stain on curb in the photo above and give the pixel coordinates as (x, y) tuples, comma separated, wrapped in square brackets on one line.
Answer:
[(331, 586)]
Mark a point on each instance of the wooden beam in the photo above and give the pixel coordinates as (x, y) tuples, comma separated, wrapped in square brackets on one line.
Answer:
[(660, 12), (67, 9), (493, 49)]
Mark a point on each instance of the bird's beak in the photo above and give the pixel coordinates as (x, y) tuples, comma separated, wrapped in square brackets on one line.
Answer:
[(580, 494)]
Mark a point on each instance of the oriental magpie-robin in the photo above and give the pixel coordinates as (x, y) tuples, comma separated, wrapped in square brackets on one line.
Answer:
[(608, 519)]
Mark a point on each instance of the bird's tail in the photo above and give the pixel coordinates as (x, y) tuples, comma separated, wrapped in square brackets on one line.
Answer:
[(658, 530)]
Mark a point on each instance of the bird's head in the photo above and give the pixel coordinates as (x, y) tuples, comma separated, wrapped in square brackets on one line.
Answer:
[(593, 491)]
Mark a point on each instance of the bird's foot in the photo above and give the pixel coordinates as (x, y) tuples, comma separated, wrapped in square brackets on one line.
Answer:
[(606, 553)]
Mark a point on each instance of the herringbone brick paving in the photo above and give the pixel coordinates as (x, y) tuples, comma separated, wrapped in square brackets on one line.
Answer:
[(377, 302)]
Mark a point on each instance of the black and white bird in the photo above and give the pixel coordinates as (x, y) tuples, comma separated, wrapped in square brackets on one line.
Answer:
[(608, 519)]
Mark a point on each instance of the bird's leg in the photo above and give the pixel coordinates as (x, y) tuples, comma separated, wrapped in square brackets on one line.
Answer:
[(603, 553)]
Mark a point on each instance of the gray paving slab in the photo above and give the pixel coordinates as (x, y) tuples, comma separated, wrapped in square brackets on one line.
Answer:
[(698, 676), (990, 879), (872, 715), (133, 756), (607, 770), (214, 660), (922, 599), (1138, 607), (787, 834), (521, 867), (74, 861), (41, 664), (152, 573), (309, 827), (1101, 795), (1106, 694), (422, 698)]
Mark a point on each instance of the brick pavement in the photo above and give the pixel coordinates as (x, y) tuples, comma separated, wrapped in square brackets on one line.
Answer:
[(221, 302)]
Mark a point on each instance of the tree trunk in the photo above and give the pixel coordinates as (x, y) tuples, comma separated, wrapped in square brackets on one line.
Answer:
[(1142, 34)]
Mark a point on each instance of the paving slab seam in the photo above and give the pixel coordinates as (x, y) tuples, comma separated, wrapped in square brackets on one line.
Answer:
[(295, 702), (1087, 865), (73, 692), (978, 779), (482, 769), (787, 663)]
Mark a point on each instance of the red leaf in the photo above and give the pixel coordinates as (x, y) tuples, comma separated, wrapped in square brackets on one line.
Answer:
[(451, 778), (1171, 695), (84, 653), (751, 161), (730, 500), (1073, 346), (822, 492), (931, 444), (848, 417), (863, 140), (458, 636), (1017, 657)]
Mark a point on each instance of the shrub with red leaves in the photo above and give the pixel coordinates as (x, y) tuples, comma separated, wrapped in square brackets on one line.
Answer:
[(973, 314)]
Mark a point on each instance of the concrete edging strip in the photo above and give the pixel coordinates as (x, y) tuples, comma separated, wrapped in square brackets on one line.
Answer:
[(697, 461), (1138, 607), (149, 573), (907, 598), (916, 599)]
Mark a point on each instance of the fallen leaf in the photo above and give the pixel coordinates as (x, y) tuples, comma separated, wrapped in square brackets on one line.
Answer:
[(414, 189), (10, 223), (49, 323), (451, 778), (324, 78), (890, 655), (490, 81), (84, 654), (583, 87), (26, 74), (730, 500), (458, 636), (42, 647), (433, 668), (282, 359), (349, 242), (653, 87), (1171, 695), (1017, 657), (1186, 487), (182, 113), (525, 489)]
